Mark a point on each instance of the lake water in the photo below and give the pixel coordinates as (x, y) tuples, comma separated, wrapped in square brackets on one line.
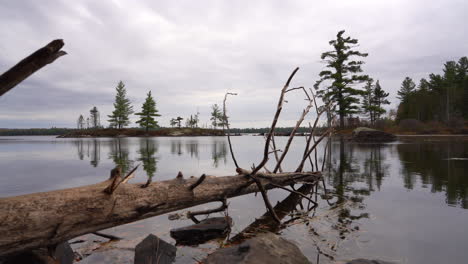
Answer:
[(404, 202)]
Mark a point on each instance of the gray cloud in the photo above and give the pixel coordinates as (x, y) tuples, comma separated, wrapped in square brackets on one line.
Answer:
[(190, 53)]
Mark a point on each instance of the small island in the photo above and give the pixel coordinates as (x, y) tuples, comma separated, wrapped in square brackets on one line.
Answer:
[(135, 132)]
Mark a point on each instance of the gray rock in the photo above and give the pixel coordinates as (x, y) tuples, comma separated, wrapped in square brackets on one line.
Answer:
[(207, 229), (153, 250), (265, 248), (365, 134)]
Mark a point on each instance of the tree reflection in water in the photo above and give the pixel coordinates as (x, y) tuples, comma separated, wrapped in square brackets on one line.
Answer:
[(147, 151), (438, 164), (218, 152), (119, 154)]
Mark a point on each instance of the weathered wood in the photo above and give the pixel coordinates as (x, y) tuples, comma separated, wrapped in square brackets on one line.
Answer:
[(30, 65), (48, 218)]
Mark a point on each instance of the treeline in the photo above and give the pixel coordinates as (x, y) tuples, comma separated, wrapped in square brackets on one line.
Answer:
[(35, 131), (278, 130), (439, 97)]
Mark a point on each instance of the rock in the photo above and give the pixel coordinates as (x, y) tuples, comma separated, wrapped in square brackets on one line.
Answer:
[(366, 261), (207, 229), (364, 134), (152, 250), (63, 254), (265, 248)]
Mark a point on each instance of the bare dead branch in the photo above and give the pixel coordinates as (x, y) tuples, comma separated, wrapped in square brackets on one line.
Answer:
[(275, 120), (192, 215), (110, 237), (198, 182), (265, 198), (30, 65), (228, 130)]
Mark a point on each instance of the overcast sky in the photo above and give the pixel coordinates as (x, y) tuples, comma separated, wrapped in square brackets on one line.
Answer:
[(189, 53)]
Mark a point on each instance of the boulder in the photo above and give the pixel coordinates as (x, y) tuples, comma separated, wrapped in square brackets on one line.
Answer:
[(153, 250), (207, 229), (365, 134), (265, 248)]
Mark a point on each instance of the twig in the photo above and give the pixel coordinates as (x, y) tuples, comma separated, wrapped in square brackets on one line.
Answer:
[(192, 215), (265, 198), (301, 165), (198, 182), (275, 120), (228, 130), (111, 237), (296, 192), (116, 181)]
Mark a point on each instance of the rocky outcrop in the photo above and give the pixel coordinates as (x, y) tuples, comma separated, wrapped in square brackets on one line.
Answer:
[(265, 248), (364, 134)]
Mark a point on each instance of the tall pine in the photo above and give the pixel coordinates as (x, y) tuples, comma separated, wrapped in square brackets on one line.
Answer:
[(344, 71), (147, 114), (122, 108), (380, 99), (406, 89)]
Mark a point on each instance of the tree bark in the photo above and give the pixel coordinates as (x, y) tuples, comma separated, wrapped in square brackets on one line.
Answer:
[(30, 65), (48, 218)]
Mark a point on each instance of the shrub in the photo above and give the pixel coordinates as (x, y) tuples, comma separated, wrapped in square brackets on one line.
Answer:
[(411, 125)]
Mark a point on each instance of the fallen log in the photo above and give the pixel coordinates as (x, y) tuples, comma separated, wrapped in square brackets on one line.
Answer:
[(30, 65), (48, 218)]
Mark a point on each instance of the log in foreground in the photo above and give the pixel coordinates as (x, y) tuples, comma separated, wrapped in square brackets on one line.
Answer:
[(30, 65), (48, 218)]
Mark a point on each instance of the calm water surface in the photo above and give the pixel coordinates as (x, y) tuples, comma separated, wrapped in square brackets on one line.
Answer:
[(403, 202)]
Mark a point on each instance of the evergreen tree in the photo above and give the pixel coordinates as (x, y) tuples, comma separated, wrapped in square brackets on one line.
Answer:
[(122, 108), (407, 87), (179, 121), (81, 122), (380, 99), (173, 122), (368, 100), (216, 115), (94, 117), (344, 72), (147, 114)]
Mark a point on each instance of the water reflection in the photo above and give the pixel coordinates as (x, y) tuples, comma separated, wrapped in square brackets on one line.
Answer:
[(147, 151), (119, 153), (176, 147), (441, 165), (93, 150), (218, 152)]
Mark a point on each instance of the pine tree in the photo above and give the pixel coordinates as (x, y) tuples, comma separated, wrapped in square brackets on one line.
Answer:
[(216, 115), (406, 89), (122, 108), (179, 121), (380, 99), (368, 100), (147, 114), (173, 122), (94, 117), (80, 122), (344, 73)]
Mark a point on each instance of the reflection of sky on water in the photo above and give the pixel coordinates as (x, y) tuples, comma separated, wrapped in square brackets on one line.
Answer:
[(414, 193)]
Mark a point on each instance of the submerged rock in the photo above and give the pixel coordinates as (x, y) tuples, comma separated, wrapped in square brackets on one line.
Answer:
[(365, 134), (265, 248), (153, 250), (207, 229)]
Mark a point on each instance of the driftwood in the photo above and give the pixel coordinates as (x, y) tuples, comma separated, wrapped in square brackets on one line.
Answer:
[(48, 218), (30, 65)]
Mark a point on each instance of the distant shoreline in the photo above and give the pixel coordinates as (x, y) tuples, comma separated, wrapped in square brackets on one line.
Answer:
[(133, 132)]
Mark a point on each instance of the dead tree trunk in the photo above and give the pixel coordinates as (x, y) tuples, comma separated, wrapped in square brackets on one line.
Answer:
[(30, 65), (48, 218)]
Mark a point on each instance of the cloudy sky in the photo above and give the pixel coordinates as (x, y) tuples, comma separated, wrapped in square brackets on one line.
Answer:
[(189, 53)]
